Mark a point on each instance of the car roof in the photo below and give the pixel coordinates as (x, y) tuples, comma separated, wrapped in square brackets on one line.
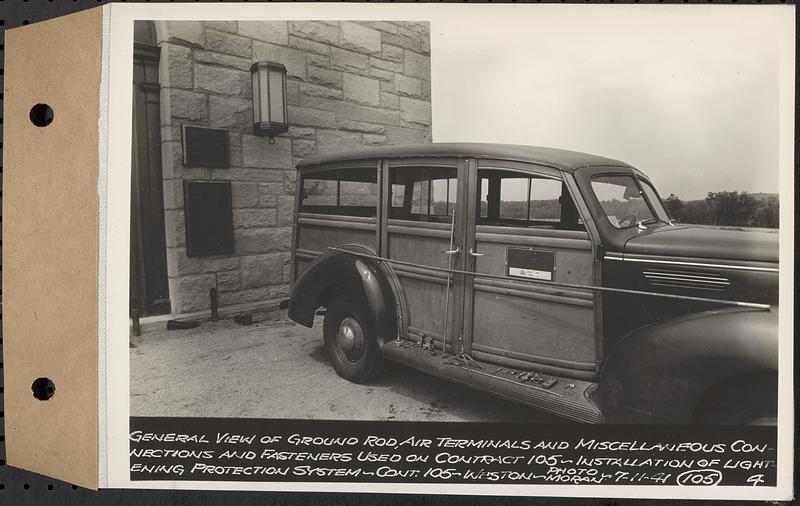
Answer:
[(558, 158)]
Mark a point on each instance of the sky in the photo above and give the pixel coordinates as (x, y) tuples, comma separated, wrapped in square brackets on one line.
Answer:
[(689, 95)]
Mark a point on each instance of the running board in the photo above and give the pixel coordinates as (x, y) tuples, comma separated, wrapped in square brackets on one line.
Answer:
[(566, 398)]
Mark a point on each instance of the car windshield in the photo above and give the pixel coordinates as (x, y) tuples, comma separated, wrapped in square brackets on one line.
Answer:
[(627, 201)]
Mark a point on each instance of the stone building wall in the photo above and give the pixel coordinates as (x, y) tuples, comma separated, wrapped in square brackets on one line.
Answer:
[(350, 84)]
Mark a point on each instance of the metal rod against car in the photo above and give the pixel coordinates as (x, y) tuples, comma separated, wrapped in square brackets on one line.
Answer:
[(752, 305), (447, 291)]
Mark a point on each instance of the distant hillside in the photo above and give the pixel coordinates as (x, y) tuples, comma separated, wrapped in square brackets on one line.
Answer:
[(731, 209)]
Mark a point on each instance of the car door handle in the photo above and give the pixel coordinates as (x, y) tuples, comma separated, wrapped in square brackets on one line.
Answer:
[(452, 251), (471, 252)]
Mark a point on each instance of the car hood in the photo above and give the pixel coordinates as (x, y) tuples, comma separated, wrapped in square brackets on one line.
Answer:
[(683, 241)]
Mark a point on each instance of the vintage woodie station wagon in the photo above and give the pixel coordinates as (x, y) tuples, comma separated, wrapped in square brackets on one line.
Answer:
[(549, 277)]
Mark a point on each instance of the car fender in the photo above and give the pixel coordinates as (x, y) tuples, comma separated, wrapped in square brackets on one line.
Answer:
[(353, 273), (660, 372)]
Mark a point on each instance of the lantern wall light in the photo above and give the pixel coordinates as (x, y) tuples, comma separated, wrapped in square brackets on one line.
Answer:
[(270, 112)]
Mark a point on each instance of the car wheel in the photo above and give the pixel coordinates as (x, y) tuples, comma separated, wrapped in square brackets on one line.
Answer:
[(351, 341), (753, 402)]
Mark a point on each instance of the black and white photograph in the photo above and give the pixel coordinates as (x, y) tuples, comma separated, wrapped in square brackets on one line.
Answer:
[(555, 220)]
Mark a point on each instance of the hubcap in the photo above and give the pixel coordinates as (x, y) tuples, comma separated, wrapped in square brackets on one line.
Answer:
[(350, 339)]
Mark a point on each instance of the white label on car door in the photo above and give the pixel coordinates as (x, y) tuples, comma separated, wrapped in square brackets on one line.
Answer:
[(530, 273)]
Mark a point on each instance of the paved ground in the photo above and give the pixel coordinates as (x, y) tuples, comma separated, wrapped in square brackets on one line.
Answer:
[(278, 369)]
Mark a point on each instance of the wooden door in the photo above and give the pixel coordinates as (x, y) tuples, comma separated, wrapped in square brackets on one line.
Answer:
[(425, 210), (524, 236), (148, 272)]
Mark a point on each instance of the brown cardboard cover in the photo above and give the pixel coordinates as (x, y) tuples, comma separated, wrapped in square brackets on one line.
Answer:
[(50, 242)]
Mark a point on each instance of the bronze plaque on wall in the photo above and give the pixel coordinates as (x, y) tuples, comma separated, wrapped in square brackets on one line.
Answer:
[(205, 147), (209, 218)]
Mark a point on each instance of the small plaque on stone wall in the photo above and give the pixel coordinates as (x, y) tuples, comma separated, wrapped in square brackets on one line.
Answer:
[(205, 147), (209, 218)]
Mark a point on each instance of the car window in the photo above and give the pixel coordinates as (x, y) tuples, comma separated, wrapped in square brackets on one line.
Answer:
[(423, 193), (516, 199), (342, 192), (655, 202), (621, 200)]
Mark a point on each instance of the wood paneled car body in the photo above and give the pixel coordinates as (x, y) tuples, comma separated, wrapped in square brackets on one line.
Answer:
[(548, 277)]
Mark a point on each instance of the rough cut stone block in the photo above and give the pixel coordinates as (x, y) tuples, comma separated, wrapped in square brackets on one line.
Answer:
[(258, 152), (377, 63), (186, 105), (404, 41), (290, 181), (292, 59), (285, 210), (380, 25), (173, 194), (311, 117), (390, 100), (223, 60), (223, 42), (358, 126), (224, 26), (346, 110), (360, 38), (244, 194), (315, 30), (254, 218), (186, 32), (178, 66), (392, 53), (388, 86), (383, 75), (279, 291), (191, 292), (268, 193), (348, 60), (315, 90), (407, 86), (218, 80), (303, 148), (229, 113), (262, 240), (421, 27), (235, 153), (276, 32), (188, 265), (426, 90), (415, 111), (244, 296), (417, 65), (309, 46), (329, 141), (170, 234), (374, 140), (324, 77), (229, 280), (253, 175), (401, 135), (262, 270), (361, 89), (301, 133)]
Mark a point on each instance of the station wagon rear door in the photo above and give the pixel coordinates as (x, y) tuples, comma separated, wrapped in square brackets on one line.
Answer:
[(522, 235)]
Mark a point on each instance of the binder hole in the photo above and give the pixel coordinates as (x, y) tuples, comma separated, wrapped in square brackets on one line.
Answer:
[(41, 115), (26, 486), (43, 389), (50, 486)]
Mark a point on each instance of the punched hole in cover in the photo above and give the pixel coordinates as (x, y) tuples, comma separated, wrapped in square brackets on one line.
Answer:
[(41, 115), (43, 388)]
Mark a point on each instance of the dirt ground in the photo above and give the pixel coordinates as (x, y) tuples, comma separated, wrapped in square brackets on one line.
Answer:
[(278, 369)]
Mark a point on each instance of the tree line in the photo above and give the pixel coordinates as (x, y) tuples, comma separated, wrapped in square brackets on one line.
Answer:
[(736, 209)]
